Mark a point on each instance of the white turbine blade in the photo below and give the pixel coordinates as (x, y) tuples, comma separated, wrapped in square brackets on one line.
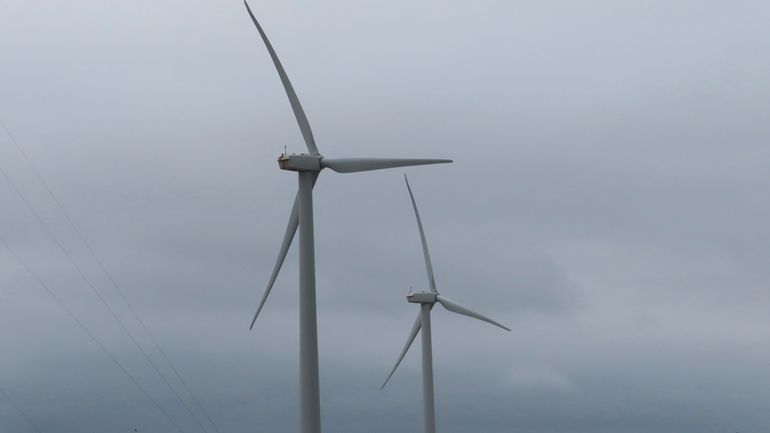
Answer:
[(459, 309), (291, 230), (409, 340), (299, 113), (352, 165), (428, 263)]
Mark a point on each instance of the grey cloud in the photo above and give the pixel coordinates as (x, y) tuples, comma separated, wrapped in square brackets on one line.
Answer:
[(607, 202)]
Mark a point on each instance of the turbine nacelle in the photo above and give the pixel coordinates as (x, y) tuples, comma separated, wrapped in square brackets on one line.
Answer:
[(422, 297), (301, 162)]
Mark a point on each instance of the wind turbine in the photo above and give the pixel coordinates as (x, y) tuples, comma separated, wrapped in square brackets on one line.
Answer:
[(427, 300), (308, 166)]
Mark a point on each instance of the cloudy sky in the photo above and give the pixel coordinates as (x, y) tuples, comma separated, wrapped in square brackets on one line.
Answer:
[(608, 202)]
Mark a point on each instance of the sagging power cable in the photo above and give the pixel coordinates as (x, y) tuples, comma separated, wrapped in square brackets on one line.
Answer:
[(20, 410), (90, 334), (113, 282)]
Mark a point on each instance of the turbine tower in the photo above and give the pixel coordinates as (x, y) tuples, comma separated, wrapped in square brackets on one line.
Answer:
[(308, 166), (427, 300)]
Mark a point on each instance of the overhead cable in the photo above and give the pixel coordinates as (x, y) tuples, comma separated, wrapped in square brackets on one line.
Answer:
[(90, 334), (115, 286)]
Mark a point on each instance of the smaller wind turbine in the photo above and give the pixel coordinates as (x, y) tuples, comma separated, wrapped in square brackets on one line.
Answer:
[(426, 301)]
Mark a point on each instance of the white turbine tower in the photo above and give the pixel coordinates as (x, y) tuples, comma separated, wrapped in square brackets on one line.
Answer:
[(308, 166), (426, 301)]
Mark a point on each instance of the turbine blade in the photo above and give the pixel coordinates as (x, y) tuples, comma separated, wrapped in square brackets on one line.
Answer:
[(352, 165), (299, 113), (409, 340), (459, 309), (291, 229), (428, 263)]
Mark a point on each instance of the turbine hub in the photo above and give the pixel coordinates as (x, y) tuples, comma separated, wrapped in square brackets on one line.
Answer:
[(301, 162), (421, 297)]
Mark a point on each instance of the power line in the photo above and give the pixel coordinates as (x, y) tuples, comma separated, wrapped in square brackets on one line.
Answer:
[(88, 332), (20, 410), (96, 292), (112, 281)]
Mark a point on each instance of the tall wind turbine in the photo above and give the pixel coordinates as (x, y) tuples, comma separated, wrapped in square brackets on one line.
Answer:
[(309, 165), (426, 301)]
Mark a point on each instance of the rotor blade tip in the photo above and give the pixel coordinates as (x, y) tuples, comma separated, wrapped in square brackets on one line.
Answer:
[(253, 321), (386, 381)]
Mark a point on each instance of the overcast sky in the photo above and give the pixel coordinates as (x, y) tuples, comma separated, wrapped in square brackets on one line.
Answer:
[(608, 202)]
